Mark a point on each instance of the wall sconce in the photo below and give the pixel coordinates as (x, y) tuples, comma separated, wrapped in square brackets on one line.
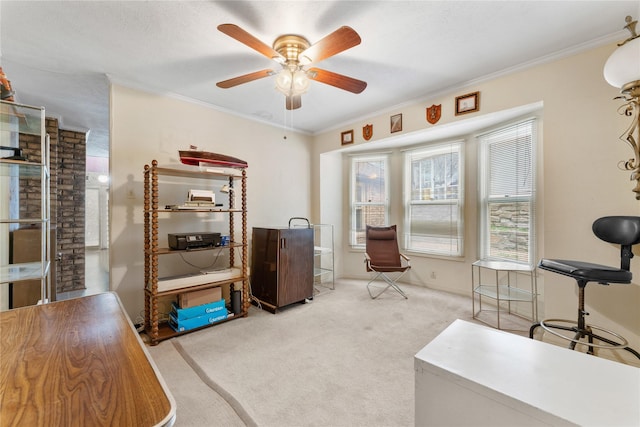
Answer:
[(622, 70)]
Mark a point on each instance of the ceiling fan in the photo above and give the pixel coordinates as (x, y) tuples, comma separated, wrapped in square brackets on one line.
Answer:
[(295, 54)]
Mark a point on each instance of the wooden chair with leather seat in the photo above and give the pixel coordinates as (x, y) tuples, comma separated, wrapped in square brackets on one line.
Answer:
[(383, 257), (620, 230)]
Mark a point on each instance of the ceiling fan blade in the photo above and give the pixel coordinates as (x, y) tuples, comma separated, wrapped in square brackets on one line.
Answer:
[(242, 36), (294, 102), (338, 41), (337, 80), (226, 84)]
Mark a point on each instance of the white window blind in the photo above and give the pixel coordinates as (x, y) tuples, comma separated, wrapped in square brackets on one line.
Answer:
[(507, 166)]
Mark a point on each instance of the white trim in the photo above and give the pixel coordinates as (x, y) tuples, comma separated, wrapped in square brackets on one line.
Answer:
[(203, 104), (565, 53)]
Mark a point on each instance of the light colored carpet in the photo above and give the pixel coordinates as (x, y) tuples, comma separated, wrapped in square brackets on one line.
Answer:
[(341, 360), (197, 402)]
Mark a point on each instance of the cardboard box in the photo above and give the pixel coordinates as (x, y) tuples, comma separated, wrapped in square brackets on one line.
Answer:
[(198, 310), (181, 325), (205, 296)]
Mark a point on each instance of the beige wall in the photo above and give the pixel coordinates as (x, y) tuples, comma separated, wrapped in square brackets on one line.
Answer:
[(308, 176), (578, 182), (145, 127)]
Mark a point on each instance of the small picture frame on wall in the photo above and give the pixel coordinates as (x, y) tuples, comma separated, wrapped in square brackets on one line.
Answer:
[(346, 137), (468, 103), (396, 123)]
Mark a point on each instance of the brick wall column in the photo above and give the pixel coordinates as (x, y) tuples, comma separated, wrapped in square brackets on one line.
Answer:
[(70, 227)]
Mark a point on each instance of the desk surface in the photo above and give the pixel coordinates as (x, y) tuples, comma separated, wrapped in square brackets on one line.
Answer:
[(78, 362)]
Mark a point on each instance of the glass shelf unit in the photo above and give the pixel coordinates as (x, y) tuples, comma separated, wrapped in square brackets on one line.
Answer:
[(323, 264), (24, 202), (503, 290), (21, 118), (24, 271)]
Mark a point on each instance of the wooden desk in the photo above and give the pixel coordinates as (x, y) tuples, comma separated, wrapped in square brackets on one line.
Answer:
[(78, 362)]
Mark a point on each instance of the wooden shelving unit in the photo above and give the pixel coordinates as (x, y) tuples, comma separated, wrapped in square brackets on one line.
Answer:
[(156, 329)]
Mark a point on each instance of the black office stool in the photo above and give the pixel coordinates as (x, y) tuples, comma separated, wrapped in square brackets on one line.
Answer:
[(621, 230)]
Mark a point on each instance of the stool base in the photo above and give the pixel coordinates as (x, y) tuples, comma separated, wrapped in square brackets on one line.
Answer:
[(553, 325)]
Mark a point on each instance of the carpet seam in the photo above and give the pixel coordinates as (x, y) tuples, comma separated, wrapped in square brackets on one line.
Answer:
[(217, 388)]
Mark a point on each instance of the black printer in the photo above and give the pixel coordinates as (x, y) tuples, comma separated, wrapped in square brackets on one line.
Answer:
[(182, 241)]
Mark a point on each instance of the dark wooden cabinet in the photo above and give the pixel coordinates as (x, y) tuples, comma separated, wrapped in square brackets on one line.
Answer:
[(282, 266)]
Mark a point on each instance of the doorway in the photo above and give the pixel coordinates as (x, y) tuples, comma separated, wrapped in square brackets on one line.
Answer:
[(96, 233)]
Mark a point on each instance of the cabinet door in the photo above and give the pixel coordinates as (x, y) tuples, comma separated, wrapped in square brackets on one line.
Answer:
[(295, 266), (264, 263)]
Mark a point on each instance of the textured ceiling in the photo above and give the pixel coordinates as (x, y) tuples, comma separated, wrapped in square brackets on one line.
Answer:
[(63, 54)]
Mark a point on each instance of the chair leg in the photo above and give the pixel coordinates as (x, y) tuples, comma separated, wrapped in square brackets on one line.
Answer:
[(390, 284), (400, 291), (533, 328), (369, 288), (591, 335), (394, 285), (580, 333), (612, 343)]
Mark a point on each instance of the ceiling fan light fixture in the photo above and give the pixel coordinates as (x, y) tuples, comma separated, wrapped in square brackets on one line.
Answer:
[(292, 83), (300, 82), (283, 81)]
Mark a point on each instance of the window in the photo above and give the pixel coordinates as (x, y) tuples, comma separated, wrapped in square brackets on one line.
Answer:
[(369, 195), (433, 199), (507, 166)]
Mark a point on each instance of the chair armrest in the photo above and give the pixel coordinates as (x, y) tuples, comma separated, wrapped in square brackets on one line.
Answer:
[(406, 258)]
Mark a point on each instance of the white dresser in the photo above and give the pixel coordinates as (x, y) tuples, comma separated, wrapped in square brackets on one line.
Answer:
[(475, 375)]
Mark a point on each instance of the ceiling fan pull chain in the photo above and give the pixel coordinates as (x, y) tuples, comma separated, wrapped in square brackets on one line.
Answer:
[(286, 127)]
